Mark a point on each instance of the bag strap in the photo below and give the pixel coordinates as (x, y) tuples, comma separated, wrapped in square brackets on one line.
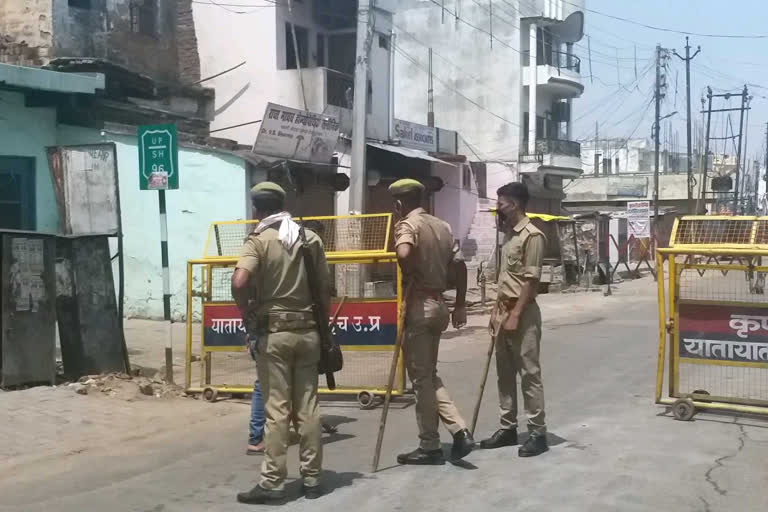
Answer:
[(309, 268)]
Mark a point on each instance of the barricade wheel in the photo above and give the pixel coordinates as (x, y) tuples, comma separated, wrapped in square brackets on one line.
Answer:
[(366, 400), (210, 394), (683, 409)]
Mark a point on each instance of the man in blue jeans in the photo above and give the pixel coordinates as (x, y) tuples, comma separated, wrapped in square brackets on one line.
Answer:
[(256, 426)]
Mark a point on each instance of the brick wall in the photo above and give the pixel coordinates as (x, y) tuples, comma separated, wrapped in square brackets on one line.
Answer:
[(186, 43), (26, 32)]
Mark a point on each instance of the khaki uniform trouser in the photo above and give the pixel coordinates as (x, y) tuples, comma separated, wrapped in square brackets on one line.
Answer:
[(518, 351), (426, 319), (287, 367)]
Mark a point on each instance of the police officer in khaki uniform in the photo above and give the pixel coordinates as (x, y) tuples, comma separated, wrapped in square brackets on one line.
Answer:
[(271, 289), (424, 246), (516, 323)]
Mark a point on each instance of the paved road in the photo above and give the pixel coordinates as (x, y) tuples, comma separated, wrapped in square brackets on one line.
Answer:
[(612, 449)]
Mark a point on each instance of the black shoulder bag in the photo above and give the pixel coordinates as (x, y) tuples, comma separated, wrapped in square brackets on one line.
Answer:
[(331, 358)]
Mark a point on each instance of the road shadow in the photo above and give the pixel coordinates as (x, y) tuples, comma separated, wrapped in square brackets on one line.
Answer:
[(464, 331), (331, 481), (552, 439), (334, 420)]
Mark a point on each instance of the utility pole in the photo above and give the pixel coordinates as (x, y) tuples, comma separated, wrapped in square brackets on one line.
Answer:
[(596, 156), (430, 95), (656, 126), (765, 176), (701, 209), (746, 157), (688, 58), (737, 197), (357, 175)]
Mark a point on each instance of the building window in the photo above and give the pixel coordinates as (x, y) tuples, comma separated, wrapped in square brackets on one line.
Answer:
[(302, 43), (383, 42), (466, 178), (320, 49), (17, 193), (617, 166), (80, 4), (144, 17)]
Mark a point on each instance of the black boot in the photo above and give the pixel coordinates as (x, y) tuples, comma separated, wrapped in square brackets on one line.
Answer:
[(422, 457), (536, 444), (312, 492), (463, 444), (502, 437), (259, 495)]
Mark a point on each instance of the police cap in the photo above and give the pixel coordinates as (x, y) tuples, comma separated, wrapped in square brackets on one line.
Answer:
[(406, 186), (267, 189)]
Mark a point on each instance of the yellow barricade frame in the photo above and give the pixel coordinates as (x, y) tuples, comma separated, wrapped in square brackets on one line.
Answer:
[(207, 263), (751, 248)]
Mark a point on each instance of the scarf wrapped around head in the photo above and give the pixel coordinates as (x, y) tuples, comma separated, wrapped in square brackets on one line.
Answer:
[(287, 233)]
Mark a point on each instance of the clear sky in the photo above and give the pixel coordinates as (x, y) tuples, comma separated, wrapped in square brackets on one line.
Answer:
[(724, 64)]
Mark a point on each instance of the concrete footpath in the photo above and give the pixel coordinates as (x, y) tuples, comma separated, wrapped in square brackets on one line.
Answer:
[(612, 449)]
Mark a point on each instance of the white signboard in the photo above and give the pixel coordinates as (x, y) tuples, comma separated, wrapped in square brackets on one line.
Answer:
[(85, 183), (416, 136), (297, 134), (638, 219)]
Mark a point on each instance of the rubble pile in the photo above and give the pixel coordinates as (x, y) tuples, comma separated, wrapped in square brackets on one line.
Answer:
[(123, 386)]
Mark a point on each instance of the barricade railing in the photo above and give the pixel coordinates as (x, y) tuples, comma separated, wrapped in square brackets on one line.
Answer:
[(362, 272), (713, 316)]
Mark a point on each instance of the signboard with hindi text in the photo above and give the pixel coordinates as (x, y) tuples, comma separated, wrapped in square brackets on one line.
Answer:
[(723, 334), (358, 323), (638, 219), (297, 134)]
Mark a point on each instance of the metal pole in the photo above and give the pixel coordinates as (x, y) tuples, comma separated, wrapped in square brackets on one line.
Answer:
[(430, 95), (297, 57), (737, 196), (595, 158), (357, 175), (166, 287), (746, 155), (757, 196), (701, 209), (688, 58), (120, 270), (656, 141)]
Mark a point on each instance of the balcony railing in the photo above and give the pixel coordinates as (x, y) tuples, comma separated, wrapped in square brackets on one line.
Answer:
[(554, 58), (549, 146), (339, 89)]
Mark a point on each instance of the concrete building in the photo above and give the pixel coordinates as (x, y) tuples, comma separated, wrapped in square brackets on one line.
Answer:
[(315, 73), (152, 37), (508, 91), (631, 156), (108, 67)]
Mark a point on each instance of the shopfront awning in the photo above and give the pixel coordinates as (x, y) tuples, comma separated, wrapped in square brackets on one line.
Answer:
[(407, 152)]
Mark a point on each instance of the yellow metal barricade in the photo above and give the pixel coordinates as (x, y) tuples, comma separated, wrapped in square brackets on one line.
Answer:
[(714, 313), (362, 272)]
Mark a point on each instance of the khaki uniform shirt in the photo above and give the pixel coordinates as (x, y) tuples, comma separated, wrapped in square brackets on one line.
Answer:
[(432, 240), (521, 257), (278, 277)]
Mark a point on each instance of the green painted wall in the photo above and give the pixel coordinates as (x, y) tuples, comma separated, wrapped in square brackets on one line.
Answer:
[(26, 132)]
